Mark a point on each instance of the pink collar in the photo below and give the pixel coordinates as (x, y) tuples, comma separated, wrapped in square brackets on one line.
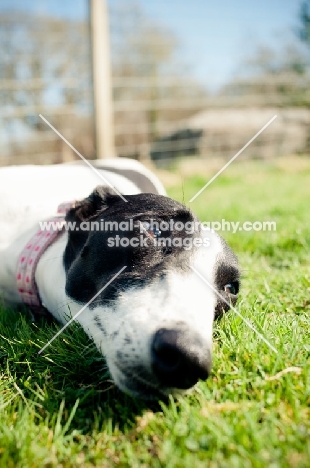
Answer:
[(30, 256)]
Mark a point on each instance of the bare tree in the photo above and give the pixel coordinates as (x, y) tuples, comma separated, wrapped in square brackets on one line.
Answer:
[(44, 67), (304, 30), (150, 78), (273, 78)]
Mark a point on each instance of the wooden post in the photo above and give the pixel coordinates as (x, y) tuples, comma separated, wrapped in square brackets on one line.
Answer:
[(104, 133)]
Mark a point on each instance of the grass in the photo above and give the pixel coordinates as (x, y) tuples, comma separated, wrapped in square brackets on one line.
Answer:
[(61, 409)]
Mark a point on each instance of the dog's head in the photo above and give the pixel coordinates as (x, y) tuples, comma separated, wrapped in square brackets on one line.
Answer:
[(153, 322)]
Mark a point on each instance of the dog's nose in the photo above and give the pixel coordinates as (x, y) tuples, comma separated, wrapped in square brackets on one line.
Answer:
[(179, 358)]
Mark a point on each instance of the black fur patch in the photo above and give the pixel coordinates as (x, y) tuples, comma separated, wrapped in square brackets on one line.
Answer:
[(226, 272), (90, 263)]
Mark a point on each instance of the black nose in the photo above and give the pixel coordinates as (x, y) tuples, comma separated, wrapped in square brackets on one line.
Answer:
[(179, 358)]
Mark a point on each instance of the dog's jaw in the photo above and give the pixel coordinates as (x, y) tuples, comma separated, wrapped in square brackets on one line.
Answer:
[(173, 300)]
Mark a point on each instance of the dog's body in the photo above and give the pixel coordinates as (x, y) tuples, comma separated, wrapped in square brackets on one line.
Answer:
[(154, 321)]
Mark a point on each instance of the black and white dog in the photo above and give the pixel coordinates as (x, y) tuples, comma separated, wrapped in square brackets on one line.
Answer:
[(153, 323)]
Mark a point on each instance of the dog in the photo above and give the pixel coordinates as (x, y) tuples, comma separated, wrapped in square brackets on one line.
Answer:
[(140, 279)]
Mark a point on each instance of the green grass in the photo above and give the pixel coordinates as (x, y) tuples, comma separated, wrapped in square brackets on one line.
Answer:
[(61, 409)]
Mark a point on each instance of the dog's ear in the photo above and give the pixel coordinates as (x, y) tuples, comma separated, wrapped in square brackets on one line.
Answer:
[(99, 200)]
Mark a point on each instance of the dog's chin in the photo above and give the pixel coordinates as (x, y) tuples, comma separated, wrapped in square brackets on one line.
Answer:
[(140, 388)]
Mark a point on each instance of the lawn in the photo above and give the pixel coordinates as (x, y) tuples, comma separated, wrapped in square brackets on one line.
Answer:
[(62, 410)]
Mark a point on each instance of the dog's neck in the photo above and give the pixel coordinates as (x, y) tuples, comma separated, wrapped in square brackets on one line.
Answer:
[(50, 278)]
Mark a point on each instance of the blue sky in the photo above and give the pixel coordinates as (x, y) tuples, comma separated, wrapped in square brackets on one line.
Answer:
[(215, 36), (218, 35)]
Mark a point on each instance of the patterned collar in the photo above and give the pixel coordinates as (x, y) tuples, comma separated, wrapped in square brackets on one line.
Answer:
[(30, 256)]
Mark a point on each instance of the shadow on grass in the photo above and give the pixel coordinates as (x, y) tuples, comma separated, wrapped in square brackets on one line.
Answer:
[(70, 369)]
